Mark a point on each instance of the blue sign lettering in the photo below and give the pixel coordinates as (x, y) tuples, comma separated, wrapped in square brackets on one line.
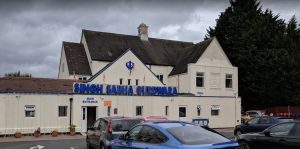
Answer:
[(98, 89)]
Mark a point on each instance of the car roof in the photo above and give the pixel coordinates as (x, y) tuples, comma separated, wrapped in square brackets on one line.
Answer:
[(169, 124)]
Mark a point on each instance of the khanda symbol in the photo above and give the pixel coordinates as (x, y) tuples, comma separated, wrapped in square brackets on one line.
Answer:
[(130, 66)]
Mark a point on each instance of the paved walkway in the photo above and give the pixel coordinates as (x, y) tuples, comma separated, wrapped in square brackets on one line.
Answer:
[(42, 137)]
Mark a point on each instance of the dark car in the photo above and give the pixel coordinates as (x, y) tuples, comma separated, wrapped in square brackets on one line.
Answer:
[(257, 124), (172, 135), (284, 135), (106, 129)]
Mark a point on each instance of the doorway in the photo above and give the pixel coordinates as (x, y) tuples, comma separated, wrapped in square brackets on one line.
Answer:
[(182, 113), (88, 117)]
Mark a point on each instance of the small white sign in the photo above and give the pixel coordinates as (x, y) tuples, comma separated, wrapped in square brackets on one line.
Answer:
[(89, 100)]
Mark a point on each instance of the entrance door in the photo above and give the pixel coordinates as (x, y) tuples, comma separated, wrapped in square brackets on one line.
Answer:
[(88, 117), (182, 113), (83, 119)]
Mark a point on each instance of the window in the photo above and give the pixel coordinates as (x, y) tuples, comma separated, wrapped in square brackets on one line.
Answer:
[(62, 111), (198, 110), (167, 110), (96, 125), (137, 82), (103, 125), (160, 77), (215, 110), (228, 81), (133, 133), (121, 81), (182, 111), (195, 135), (82, 78), (115, 111), (200, 79), (63, 67), (265, 120), (254, 120), (129, 80), (29, 110), (139, 110), (151, 135), (108, 110), (281, 129)]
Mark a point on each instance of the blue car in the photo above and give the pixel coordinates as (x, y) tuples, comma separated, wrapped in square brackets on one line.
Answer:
[(172, 135)]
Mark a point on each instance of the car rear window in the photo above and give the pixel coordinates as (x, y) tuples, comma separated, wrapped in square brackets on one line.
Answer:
[(195, 135), (124, 125)]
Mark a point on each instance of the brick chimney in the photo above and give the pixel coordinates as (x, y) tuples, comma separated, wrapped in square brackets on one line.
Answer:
[(143, 31)]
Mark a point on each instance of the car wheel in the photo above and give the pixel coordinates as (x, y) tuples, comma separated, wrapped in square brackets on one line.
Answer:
[(244, 145), (238, 132), (88, 145), (101, 146)]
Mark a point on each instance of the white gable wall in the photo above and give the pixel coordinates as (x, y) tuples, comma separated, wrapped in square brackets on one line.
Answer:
[(215, 65), (161, 70), (214, 56), (119, 70), (63, 72), (97, 66)]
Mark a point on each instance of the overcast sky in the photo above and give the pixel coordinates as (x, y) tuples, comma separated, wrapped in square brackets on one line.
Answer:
[(32, 31)]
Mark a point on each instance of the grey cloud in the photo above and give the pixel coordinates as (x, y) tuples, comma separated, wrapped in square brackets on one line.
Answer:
[(32, 31)]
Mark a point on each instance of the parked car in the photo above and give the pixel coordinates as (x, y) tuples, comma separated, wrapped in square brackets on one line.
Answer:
[(255, 113), (258, 124), (201, 121), (172, 135), (250, 114), (106, 129), (284, 135)]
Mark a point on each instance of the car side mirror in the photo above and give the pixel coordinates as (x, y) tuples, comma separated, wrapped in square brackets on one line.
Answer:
[(267, 133)]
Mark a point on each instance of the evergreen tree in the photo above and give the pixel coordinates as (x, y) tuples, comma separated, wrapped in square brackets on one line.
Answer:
[(259, 44)]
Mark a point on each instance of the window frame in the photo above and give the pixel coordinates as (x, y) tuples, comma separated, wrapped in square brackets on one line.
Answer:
[(139, 112), (136, 82), (216, 109), (167, 110), (229, 77), (66, 111), (30, 110), (198, 76), (121, 81), (128, 81)]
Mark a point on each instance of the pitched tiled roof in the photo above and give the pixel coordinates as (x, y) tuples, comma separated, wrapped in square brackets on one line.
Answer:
[(35, 85), (189, 55), (109, 46), (76, 58)]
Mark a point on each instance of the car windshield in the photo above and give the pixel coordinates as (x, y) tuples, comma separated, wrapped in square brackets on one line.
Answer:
[(253, 114), (194, 135), (124, 125)]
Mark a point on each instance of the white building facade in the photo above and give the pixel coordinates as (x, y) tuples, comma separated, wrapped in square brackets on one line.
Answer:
[(110, 74)]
